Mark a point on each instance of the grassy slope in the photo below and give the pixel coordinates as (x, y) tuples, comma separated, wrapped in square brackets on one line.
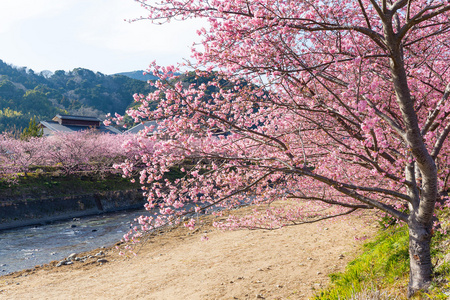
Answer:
[(382, 271)]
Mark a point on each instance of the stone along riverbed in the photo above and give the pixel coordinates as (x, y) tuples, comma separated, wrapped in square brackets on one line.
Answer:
[(26, 247)]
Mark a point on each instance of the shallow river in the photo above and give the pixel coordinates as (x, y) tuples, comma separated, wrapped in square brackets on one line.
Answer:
[(26, 247)]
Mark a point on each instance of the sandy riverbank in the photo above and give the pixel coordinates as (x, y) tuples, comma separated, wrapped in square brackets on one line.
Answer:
[(289, 263)]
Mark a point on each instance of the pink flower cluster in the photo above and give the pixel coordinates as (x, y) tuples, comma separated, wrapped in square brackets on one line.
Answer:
[(67, 153)]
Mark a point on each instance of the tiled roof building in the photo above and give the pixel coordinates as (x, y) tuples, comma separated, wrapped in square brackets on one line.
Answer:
[(69, 123)]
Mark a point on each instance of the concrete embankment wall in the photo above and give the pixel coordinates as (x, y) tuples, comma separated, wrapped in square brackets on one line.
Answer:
[(16, 213)]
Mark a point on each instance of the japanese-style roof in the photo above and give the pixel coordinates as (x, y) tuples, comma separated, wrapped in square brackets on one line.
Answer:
[(54, 126), (73, 117), (139, 127)]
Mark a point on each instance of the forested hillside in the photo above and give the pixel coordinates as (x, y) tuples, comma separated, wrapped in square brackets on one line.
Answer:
[(24, 94)]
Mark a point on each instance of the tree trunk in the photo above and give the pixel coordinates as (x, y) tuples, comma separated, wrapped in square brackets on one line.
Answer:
[(420, 257)]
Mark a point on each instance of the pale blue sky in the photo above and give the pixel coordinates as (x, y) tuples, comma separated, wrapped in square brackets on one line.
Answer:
[(66, 34)]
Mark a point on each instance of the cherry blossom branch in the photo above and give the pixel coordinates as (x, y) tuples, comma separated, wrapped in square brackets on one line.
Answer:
[(328, 201), (325, 217), (240, 191), (433, 115), (394, 125), (305, 171), (296, 223), (363, 10), (440, 141), (420, 17)]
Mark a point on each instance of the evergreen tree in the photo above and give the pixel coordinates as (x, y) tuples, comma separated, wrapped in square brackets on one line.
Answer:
[(33, 130)]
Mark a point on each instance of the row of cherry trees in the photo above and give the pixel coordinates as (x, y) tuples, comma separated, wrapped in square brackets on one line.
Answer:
[(68, 153)]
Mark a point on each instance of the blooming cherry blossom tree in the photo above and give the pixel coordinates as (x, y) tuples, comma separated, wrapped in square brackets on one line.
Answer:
[(317, 109), (71, 153), (19, 155)]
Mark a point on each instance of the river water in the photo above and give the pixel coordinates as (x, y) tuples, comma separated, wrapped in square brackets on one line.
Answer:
[(26, 247)]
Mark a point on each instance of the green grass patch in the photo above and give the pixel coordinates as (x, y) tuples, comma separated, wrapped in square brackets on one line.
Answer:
[(384, 262), (384, 267)]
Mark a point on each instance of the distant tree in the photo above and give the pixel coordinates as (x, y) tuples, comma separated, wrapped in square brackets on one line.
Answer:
[(37, 102), (46, 73), (33, 130), (18, 155), (88, 111)]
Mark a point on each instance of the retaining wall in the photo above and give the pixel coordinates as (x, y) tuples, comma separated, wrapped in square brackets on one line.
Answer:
[(16, 213)]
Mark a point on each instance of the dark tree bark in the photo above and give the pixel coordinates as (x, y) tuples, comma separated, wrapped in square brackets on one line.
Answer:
[(420, 258)]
